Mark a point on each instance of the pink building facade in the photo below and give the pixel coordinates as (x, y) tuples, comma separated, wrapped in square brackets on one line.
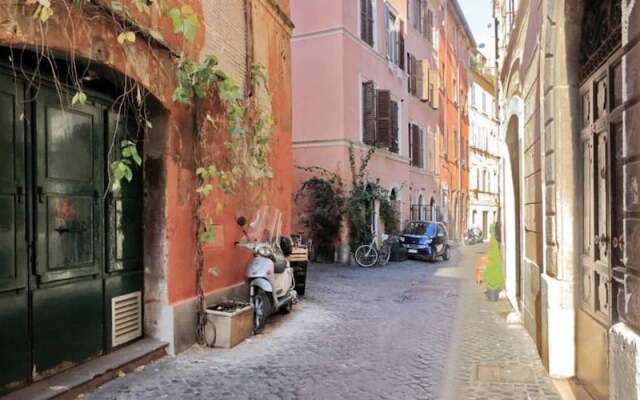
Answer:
[(365, 72)]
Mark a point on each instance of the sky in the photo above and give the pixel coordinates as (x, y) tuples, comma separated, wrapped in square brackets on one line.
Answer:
[(480, 16)]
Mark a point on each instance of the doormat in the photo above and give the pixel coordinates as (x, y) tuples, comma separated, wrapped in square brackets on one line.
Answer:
[(485, 373)]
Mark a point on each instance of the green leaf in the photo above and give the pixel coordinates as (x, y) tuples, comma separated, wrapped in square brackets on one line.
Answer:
[(79, 98)]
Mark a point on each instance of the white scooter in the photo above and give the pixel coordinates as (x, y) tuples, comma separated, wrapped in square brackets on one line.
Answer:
[(269, 275)]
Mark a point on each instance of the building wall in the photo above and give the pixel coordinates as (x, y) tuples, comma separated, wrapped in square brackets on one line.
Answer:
[(541, 64), (455, 44), (330, 63), (484, 154), (169, 168)]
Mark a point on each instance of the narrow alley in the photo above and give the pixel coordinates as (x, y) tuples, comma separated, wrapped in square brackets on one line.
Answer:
[(384, 333)]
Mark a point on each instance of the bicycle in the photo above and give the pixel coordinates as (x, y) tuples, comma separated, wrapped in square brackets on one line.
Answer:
[(368, 255)]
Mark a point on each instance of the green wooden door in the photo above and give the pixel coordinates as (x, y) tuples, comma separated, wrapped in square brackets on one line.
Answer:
[(66, 248), (67, 292), (14, 343)]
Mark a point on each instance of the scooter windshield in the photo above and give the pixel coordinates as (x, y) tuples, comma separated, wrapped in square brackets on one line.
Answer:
[(265, 227)]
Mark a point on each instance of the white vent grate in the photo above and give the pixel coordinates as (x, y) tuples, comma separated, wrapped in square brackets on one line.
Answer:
[(126, 318)]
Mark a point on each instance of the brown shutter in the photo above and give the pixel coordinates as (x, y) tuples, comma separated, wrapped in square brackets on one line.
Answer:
[(425, 18), (401, 55), (394, 128), (414, 146), (411, 144), (419, 79), (369, 113), (363, 20), (414, 76), (383, 118), (409, 71), (366, 21)]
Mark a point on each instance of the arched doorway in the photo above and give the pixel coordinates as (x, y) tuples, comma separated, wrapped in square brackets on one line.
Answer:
[(76, 282), (421, 210), (513, 213)]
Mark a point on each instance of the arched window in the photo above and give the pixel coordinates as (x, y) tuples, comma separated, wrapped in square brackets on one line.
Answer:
[(421, 212)]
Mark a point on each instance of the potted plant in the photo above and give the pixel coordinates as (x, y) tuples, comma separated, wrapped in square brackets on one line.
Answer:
[(228, 323), (493, 276)]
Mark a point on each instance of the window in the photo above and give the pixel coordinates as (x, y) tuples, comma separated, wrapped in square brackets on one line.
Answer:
[(394, 37), (416, 12), (415, 69), (484, 103), (473, 96), (380, 116), (416, 146), (428, 30), (367, 31)]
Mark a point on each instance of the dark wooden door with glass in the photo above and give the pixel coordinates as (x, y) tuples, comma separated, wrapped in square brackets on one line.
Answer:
[(56, 277)]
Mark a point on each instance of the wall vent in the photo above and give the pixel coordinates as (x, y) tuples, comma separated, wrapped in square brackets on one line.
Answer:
[(126, 318)]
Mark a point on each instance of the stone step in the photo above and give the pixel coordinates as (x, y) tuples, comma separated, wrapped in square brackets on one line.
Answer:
[(85, 377)]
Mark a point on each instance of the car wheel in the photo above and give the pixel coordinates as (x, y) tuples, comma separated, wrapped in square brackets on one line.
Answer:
[(262, 304), (445, 255)]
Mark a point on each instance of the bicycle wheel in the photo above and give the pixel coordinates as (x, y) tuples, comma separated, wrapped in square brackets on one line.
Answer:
[(384, 254), (366, 256)]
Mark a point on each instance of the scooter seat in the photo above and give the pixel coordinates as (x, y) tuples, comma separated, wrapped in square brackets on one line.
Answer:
[(280, 265)]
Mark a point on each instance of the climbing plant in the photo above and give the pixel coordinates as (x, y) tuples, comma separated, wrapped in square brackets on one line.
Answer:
[(322, 197), (245, 132), (328, 203), (365, 193)]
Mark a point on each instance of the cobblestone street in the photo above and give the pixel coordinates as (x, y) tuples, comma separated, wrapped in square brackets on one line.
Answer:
[(384, 333)]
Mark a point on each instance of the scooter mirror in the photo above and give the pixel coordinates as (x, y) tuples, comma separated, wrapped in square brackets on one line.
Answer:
[(241, 221)]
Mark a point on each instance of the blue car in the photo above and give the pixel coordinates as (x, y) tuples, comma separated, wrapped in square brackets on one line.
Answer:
[(426, 240)]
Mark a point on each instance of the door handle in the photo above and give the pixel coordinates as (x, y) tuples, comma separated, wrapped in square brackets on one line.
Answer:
[(19, 194), (618, 242), (62, 229), (40, 193)]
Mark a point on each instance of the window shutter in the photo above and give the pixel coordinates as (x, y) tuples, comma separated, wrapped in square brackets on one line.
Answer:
[(409, 71), (366, 21), (401, 46), (394, 128), (425, 80), (383, 118), (419, 79), (425, 18), (368, 113), (364, 34), (435, 102), (414, 76), (415, 145), (411, 144)]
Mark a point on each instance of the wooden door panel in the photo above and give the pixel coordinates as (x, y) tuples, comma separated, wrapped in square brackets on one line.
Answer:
[(14, 322), (13, 267), (68, 188)]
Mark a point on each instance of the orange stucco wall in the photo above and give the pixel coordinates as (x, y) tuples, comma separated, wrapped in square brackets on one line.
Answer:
[(152, 65)]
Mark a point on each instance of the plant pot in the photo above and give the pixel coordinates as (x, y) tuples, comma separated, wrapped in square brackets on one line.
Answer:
[(493, 294), (228, 324)]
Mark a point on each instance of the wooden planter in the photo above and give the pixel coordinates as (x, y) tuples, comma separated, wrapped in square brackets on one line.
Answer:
[(227, 329)]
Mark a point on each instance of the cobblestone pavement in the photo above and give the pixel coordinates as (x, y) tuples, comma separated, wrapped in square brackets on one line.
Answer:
[(491, 359), (382, 333)]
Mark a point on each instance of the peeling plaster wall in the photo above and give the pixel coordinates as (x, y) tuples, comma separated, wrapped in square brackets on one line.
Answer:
[(169, 165)]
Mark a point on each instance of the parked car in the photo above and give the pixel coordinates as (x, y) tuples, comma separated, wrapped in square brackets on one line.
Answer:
[(426, 240)]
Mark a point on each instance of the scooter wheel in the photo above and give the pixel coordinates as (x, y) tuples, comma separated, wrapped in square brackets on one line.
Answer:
[(262, 304)]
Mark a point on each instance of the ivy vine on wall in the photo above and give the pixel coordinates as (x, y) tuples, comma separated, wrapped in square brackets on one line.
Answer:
[(246, 136)]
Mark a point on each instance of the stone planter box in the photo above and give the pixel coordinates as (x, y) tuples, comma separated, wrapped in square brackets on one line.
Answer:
[(226, 329)]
